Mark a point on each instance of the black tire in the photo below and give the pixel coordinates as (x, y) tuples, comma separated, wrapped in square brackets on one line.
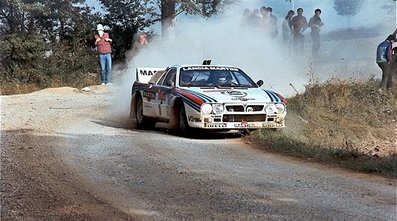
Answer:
[(184, 127), (142, 122)]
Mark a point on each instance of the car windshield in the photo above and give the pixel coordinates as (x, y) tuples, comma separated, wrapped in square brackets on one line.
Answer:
[(211, 76)]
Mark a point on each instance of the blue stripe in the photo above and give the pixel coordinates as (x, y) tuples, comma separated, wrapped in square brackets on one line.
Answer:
[(270, 95), (278, 99), (206, 98)]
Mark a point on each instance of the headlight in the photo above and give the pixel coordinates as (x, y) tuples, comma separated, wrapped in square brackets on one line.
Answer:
[(217, 108), (280, 108), (206, 109), (271, 109)]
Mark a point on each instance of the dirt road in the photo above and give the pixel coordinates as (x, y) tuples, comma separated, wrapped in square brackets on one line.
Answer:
[(67, 155)]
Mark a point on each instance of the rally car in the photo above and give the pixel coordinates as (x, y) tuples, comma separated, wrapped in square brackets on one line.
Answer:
[(209, 97)]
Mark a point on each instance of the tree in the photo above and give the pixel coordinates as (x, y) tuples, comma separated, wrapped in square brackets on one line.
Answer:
[(348, 8), (43, 40), (125, 18), (206, 8)]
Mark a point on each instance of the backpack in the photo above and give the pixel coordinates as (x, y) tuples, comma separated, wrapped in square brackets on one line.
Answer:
[(382, 52)]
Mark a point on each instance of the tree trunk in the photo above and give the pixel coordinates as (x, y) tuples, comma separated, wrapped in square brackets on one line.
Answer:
[(167, 15)]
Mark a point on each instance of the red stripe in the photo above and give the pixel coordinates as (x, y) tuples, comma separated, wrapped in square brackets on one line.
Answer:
[(191, 97)]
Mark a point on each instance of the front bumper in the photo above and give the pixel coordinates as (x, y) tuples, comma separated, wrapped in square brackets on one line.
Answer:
[(236, 121)]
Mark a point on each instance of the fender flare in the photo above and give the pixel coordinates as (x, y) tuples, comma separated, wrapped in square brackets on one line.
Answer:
[(173, 122)]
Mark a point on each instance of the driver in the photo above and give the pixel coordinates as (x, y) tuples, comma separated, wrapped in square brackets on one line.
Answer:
[(223, 78)]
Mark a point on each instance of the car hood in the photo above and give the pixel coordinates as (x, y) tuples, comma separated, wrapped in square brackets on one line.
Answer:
[(230, 95)]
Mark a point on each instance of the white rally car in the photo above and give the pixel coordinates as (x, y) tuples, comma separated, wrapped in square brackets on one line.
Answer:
[(204, 96)]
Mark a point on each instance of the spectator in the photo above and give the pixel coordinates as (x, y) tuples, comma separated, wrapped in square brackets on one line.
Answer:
[(287, 29), (383, 59), (102, 41), (256, 17), (141, 42), (299, 25), (315, 25), (246, 20), (273, 23), (265, 20)]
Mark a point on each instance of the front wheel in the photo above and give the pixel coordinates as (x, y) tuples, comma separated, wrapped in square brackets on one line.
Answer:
[(184, 127), (141, 121)]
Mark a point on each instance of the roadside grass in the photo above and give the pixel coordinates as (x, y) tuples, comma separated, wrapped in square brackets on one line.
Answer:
[(349, 124), (75, 79)]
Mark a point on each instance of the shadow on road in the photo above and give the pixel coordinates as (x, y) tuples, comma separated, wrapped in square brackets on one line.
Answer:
[(130, 124)]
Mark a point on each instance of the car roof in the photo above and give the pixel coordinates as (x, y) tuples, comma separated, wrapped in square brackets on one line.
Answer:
[(199, 65)]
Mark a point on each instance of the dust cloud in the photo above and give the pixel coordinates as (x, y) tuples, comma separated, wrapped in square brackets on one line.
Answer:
[(347, 47)]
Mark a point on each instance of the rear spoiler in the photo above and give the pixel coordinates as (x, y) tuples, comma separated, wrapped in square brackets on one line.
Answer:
[(145, 74)]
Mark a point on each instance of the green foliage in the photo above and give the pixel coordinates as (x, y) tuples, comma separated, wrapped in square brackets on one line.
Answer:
[(45, 43), (205, 8), (125, 19), (348, 8)]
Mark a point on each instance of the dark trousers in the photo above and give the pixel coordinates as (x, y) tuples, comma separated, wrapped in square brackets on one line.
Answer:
[(299, 42), (387, 73), (316, 43)]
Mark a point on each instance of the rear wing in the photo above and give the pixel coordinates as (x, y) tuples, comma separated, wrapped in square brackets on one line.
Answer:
[(144, 75)]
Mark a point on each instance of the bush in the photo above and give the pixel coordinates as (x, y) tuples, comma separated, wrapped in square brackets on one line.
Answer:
[(29, 62)]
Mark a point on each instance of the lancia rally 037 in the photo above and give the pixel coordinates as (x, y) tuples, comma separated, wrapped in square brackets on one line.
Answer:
[(208, 97)]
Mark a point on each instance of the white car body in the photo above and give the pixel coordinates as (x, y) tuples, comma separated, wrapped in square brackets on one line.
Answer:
[(234, 101)]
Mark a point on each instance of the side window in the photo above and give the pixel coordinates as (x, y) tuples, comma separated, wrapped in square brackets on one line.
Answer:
[(170, 78), (161, 80)]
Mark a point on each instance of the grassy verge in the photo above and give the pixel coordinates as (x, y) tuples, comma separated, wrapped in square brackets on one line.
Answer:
[(346, 158), (77, 80), (350, 124)]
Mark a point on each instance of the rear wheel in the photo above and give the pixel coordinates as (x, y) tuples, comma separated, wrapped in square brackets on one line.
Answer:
[(142, 122)]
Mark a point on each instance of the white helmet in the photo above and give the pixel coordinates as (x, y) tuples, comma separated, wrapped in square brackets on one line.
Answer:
[(99, 27)]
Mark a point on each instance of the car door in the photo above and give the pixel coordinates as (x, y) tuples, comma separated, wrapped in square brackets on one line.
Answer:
[(163, 95)]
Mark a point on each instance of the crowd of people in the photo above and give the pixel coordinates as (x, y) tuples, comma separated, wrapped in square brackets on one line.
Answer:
[(292, 28), (292, 32)]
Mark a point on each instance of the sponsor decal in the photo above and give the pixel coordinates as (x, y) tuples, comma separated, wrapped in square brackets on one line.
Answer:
[(266, 125), (149, 95), (162, 95), (194, 119), (215, 125), (144, 74), (195, 68), (244, 125), (147, 72), (242, 99), (235, 93)]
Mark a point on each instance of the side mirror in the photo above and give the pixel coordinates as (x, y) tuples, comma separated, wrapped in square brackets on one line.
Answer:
[(259, 83)]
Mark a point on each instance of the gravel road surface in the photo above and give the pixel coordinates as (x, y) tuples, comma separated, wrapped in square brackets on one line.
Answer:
[(67, 155)]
